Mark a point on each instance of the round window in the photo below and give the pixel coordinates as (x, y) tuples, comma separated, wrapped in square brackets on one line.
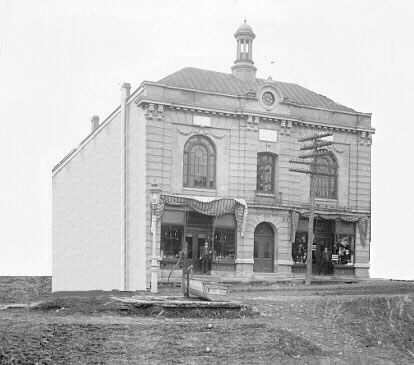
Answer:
[(268, 98)]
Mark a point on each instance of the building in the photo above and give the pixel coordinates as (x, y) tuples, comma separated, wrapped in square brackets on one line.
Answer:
[(218, 147)]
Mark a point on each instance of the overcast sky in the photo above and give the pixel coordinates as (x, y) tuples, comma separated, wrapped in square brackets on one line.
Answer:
[(63, 61)]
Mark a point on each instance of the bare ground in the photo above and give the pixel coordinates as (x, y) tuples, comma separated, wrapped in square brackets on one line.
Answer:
[(366, 323)]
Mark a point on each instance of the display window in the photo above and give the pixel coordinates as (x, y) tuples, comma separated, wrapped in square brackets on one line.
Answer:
[(335, 240), (299, 248), (171, 241), (224, 244), (344, 247)]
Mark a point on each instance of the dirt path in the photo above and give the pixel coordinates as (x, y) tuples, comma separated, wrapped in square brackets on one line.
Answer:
[(361, 324)]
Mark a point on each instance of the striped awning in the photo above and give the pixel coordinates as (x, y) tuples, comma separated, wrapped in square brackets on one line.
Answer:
[(212, 206)]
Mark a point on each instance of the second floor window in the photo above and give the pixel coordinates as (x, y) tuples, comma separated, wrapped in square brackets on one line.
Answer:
[(199, 163), (326, 186), (265, 172)]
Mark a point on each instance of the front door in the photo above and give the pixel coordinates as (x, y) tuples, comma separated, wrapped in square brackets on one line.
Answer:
[(324, 238), (263, 248), (195, 240)]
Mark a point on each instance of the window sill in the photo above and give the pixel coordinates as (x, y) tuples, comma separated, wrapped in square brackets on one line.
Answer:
[(201, 191), (265, 193), (328, 201)]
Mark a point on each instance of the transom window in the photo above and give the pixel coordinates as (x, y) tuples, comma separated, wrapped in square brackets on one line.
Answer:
[(266, 172), (199, 163), (326, 186)]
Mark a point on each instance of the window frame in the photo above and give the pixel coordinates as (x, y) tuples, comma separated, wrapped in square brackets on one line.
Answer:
[(193, 164), (326, 187), (171, 241), (273, 173)]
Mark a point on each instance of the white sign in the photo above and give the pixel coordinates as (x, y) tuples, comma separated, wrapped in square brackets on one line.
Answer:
[(202, 121), (267, 135)]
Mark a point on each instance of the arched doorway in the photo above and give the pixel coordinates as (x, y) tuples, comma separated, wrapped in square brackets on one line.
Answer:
[(264, 240)]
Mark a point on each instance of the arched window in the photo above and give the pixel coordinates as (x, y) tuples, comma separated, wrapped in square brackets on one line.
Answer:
[(266, 172), (326, 185), (199, 163)]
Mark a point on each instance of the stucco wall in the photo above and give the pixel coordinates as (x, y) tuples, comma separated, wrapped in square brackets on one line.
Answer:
[(136, 200), (87, 216)]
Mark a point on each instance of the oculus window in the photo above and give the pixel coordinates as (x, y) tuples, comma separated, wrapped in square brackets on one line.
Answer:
[(199, 163)]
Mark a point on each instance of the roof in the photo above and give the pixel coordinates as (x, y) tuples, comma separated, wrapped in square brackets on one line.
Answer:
[(219, 82), (245, 29)]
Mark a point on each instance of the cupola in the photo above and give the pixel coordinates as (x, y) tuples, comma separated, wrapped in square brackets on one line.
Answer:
[(243, 66)]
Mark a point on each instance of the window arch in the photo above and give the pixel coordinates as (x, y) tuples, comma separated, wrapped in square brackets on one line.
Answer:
[(199, 163), (266, 172), (326, 185)]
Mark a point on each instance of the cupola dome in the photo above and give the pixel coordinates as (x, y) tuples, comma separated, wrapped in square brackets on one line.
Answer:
[(243, 66)]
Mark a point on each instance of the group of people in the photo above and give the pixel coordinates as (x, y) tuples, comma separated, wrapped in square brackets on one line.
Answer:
[(322, 255)]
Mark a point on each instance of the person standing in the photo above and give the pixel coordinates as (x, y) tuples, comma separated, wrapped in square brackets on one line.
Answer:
[(326, 261), (205, 258)]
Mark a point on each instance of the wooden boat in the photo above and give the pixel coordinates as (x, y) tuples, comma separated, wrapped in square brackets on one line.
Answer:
[(208, 290)]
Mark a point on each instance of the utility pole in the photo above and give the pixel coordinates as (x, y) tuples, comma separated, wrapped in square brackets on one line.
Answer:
[(318, 149)]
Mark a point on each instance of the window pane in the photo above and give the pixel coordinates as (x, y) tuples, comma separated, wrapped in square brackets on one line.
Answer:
[(224, 244), (265, 172), (201, 163), (171, 238), (326, 185)]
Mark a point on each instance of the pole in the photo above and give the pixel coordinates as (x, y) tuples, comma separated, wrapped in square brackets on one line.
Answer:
[(154, 260), (313, 172), (311, 218)]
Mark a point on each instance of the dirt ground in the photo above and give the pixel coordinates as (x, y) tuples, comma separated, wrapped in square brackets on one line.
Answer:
[(366, 323)]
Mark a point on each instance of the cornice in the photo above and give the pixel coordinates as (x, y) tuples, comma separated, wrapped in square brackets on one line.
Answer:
[(151, 104)]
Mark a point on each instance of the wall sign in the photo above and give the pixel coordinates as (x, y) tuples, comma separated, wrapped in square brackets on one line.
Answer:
[(267, 135), (202, 121)]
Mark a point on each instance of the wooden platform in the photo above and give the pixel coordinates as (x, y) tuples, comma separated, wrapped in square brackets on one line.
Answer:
[(175, 302)]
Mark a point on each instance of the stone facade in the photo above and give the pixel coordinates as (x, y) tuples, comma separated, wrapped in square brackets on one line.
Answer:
[(102, 236)]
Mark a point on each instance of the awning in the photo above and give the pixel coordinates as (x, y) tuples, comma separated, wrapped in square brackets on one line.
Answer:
[(362, 220), (212, 206)]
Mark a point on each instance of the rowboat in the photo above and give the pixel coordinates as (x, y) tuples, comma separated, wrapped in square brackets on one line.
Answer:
[(208, 290)]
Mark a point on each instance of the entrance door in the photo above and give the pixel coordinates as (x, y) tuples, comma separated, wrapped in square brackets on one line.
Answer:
[(263, 248), (324, 238), (195, 240)]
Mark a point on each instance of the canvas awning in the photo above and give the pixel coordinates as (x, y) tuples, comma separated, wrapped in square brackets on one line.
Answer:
[(362, 220), (212, 206)]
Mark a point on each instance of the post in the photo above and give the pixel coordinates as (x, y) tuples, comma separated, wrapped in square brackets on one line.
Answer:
[(318, 148), (154, 259), (155, 194), (310, 224)]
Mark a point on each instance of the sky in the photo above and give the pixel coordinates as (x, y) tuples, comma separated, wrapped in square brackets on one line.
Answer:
[(63, 61)]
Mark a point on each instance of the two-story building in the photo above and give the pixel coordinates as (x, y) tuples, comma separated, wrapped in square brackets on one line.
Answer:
[(217, 146)]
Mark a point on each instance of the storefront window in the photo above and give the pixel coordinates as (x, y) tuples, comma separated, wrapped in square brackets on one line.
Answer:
[(224, 244), (299, 248), (171, 240), (345, 248)]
